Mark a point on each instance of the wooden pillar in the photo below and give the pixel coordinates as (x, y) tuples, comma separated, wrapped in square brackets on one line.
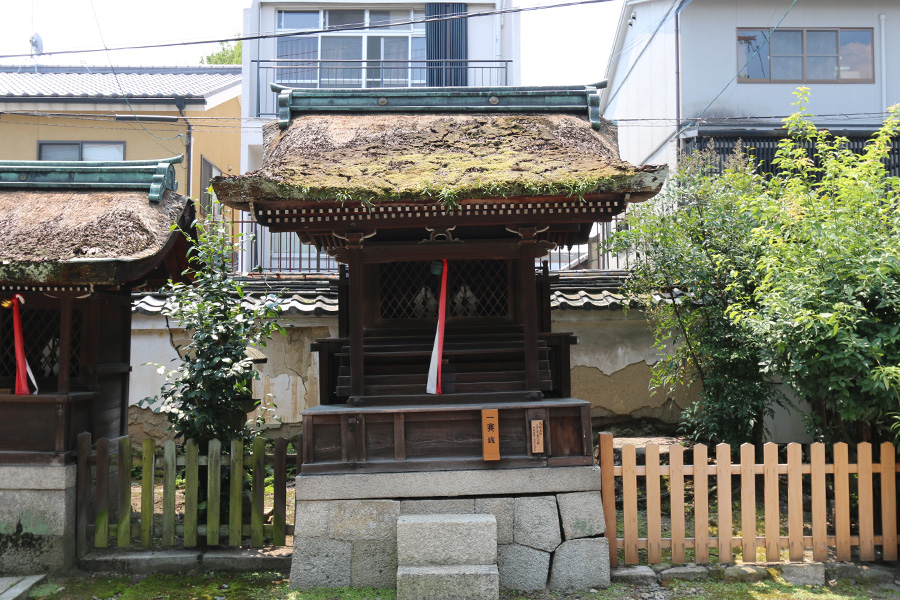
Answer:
[(528, 304), (65, 344), (357, 296)]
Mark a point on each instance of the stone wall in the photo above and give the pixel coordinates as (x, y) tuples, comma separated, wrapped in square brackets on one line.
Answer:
[(549, 524), (37, 519)]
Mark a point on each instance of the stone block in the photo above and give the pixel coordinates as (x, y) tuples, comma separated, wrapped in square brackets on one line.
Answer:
[(424, 540), (522, 568), (537, 523), (359, 520), (633, 575), (453, 506), (37, 477), (311, 519), (745, 573), (841, 570), (465, 582), (373, 564), (450, 484), (20, 587), (141, 563), (504, 509), (581, 514), (241, 560), (685, 573), (804, 573), (876, 575), (320, 562), (580, 565)]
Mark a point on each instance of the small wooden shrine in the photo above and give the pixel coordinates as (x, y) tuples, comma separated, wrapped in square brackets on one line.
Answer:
[(78, 237), (440, 203)]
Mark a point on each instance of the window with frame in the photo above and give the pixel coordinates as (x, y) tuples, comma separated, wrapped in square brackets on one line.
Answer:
[(104, 151), (837, 55), (382, 48)]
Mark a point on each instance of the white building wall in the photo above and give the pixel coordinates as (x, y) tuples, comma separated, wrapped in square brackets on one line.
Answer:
[(641, 94), (710, 58)]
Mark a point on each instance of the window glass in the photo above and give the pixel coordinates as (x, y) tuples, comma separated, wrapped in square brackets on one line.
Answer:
[(102, 151), (418, 15), (341, 74), (822, 67), (302, 48), (787, 68), (856, 55), (392, 17), (298, 20), (822, 42), (787, 43), (341, 18), (62, 151), (753, 51)]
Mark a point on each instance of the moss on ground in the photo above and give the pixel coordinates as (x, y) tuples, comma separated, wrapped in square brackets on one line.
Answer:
[(272, 586)]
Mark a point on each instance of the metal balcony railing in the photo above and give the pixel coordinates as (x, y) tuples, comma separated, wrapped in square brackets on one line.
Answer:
[(349, 74), (283, 253)]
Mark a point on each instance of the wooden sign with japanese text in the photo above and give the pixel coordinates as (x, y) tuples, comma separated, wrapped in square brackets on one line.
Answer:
[(490, 433), (537, 437)]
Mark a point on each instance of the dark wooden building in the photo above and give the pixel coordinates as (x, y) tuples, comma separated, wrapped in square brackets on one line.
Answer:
[(77, 238), (442, 200)]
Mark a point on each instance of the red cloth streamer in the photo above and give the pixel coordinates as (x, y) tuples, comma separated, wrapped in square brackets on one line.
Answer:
[(21, 365), (442, 319)]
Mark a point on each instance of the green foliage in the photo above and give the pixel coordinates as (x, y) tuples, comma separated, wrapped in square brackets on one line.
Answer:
[(828, 296), (204, 395), (693, 251), (227, 54), (795, 277)]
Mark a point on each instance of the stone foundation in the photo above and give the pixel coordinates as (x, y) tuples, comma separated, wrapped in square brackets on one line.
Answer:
[(545, 516), (37, 519)]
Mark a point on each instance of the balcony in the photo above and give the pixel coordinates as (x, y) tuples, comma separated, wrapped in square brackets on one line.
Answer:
[(358, 74)]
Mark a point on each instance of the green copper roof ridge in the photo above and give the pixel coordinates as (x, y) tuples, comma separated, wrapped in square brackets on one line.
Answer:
[(583, 100), (156, 176)]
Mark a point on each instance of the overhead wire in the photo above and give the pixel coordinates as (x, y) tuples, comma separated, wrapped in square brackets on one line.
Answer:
[(353, 27)]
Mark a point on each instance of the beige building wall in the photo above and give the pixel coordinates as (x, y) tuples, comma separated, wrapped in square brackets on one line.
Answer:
[(216, 134)]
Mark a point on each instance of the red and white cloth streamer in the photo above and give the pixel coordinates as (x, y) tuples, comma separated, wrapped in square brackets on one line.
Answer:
[(437, 354)]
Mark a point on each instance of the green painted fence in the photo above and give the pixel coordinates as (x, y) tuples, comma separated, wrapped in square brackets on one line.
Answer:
[(104, 494)]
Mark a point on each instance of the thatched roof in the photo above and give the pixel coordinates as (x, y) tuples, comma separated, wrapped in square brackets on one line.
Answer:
[(86, 237), (372, 158)]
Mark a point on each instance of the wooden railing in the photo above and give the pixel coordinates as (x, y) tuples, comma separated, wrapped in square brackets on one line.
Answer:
[(104, 494), (840, 514)]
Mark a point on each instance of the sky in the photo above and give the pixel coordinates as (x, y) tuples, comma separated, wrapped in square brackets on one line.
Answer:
[(560, 46)]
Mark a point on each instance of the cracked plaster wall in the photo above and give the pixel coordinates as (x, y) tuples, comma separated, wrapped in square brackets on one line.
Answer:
[(289, 375), (611, 366)]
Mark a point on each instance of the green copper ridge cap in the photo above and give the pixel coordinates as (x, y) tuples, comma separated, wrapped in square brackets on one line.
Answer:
[(584, 100), (155, 176)]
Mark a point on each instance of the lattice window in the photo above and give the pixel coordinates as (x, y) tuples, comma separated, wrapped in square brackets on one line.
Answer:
[(40, 328), (476, 288)]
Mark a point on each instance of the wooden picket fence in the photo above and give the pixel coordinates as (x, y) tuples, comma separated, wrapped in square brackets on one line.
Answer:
[(835, 525), (104, 483)]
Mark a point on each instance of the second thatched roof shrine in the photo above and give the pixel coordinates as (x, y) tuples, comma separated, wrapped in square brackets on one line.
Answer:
[(440, 204), (79, 236)]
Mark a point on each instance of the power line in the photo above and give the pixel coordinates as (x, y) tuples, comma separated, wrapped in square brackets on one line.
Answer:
[(353, 27)]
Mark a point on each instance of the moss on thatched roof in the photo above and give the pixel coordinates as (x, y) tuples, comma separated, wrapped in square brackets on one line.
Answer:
[(370, 158), (52, 236)]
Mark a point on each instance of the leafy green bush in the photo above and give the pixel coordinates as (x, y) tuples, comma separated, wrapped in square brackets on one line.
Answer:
[(205, 395), (795, 277)]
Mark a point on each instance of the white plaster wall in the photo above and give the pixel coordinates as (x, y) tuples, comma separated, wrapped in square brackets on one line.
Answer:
[(289, 379), (709, 56), (644, 86)]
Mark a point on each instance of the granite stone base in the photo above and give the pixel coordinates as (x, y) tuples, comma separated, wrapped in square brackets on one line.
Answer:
[(37, 519), (338, 539)]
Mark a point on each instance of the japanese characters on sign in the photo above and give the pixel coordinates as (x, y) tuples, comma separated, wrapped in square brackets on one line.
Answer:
[(490, 433)]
